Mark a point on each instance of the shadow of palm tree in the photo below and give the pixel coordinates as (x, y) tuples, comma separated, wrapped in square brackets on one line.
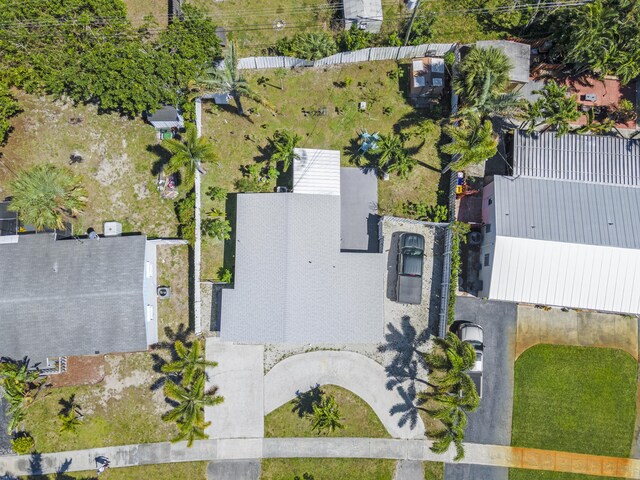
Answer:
[(182, 334), (406, 344), (407, 407), (304, 401)]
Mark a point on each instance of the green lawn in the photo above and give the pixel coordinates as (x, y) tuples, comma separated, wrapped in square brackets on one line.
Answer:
[(359, 419), (116, 168), (240, 141), (171, 471), (433, 470), (137, 10), (574, 399), (328, 468)]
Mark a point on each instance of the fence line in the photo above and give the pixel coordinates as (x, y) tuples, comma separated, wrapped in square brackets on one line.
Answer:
[(357, 56), (446, 270)]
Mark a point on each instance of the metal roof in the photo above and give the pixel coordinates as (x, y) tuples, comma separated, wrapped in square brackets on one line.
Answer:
[(367, 12), (359, 210), (566, 274), (292, 284), (72, 297), (570, 212), (518, 53), (583, 158), (316, 171)]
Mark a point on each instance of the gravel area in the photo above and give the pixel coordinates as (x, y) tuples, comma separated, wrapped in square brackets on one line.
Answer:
[(407, 327)]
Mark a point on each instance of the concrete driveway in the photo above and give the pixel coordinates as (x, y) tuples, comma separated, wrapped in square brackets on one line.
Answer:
[(491, 422), (357, 373)]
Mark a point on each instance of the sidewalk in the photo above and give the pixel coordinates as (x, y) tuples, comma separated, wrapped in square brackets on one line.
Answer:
[(236, 449)]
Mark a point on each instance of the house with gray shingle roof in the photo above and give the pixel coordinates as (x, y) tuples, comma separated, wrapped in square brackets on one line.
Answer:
[(78, 296), (308, 267)]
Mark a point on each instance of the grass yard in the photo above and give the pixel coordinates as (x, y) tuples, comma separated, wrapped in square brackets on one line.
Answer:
[(433, 470), (138, 9), (328, 468), (575, 399), (241, 141), (171, 471), (173, 271), (251, 24), (359, 419), (116, 168)]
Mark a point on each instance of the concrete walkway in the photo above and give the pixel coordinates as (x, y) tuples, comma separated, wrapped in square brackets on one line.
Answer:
[(239, 377), (589, 329), (357, 373), (409, 470), (322, 447)]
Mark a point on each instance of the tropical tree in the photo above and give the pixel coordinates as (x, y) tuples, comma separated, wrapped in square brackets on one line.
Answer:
[(326, 415), (452, 433), (403, 166), (189, 411), (594, 126), (449, 362), (20, 384), (70, 415), (307, 45), (189, 154), (471, 80), (226, 78), (555, 108), (393, 156), (283, 144), (473, 142), (45, 196), (492, 102), (189, 363)]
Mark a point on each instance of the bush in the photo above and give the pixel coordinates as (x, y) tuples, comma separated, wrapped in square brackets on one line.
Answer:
[(185, 212), (217, 194), (225, 275), (216, 227), (8, 108), (308, 45), (23, 443), (422, 30), (426, 212), (354, 39), (449, 59)]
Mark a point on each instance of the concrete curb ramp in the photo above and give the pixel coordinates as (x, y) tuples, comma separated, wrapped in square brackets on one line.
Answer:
[(239, 449), (357, 373)]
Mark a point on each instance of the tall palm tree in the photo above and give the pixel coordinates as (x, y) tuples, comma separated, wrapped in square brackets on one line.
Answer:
[(491, 102), (473, 142), (21, 385), (555, 108), (283, 144), (189, 154), (450, 359), (228, 79), (326, 415), (474, 69), (389, 148), (189, 412), (594, 126), (403, 165), (70, 422), (452, 433), (190, 362), (45, 196)]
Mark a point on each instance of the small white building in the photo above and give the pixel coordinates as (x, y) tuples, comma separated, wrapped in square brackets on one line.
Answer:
[(367, 14), (561, 243), (166, 118)]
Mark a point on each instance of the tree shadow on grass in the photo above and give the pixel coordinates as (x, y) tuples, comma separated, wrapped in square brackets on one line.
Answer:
[(183, 334), (304, 401)]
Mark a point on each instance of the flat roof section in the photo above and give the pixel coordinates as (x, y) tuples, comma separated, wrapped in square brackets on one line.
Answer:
[(359, 211), (316, 171)]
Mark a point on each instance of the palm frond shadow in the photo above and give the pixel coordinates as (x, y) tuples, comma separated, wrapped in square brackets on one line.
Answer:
[(304, 402)]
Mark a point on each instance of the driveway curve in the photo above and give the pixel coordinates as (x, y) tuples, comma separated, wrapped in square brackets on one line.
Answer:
[(352, 371)]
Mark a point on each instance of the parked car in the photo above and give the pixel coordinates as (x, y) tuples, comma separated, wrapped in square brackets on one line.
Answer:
[(410, 264), (472, 333)]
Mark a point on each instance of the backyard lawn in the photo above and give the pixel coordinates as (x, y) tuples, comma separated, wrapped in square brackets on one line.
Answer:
[(117, 161), (320, 105), (574, 399), (328, 468), (358, 417), (138, 9)]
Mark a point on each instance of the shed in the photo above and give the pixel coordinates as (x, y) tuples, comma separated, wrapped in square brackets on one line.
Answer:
[(427, 77), (316, 171), (367, 14), (518, 53), (166, 118), (561, 243)]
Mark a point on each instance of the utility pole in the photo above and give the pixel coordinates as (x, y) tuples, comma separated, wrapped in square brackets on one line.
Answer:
[(413, 17)]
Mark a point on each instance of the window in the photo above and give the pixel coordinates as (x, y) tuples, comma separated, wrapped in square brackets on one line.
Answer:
[(487, 228), (486, 259), (490, 201)]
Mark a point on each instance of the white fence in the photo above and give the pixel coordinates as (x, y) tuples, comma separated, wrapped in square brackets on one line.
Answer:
[(357, 56)]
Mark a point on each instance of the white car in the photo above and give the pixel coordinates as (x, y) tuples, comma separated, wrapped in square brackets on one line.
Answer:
[(472, 333)]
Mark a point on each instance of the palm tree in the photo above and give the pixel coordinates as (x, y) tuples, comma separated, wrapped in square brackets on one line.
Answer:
[(326, 415), (189, 412), (226, 78), (473, 142), (452, 433), (21, 385), (393, 156), (530, 116), (450, 359), (555, 108), (190, 362), (70, 422), (594, 126), (491, 102), (283, 144), (45, 196), (476, 66), (403, 166), (188, 154)]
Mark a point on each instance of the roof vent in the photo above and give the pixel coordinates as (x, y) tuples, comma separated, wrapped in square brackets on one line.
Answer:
[(112, 229)]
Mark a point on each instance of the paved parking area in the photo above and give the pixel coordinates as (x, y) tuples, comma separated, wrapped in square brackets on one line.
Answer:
[(491, 422), (589, 329)]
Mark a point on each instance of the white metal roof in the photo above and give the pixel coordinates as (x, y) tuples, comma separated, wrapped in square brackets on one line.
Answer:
[(316, 171), (566, 274)]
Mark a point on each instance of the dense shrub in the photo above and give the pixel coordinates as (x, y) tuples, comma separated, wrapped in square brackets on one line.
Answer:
[(8, 108), (23, 443), (308, 45), (354, 39)]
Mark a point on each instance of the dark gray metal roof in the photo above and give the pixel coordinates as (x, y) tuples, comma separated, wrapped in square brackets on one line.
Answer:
[(66, 297), (164, 114), (584, 158), (358, 210), (518, 53), (570, 212), (292, 284)]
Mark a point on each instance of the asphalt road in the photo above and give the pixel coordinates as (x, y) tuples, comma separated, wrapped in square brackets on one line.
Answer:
[(491, 422)]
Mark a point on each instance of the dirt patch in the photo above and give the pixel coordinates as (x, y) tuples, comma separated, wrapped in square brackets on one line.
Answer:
[(86, 370)]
